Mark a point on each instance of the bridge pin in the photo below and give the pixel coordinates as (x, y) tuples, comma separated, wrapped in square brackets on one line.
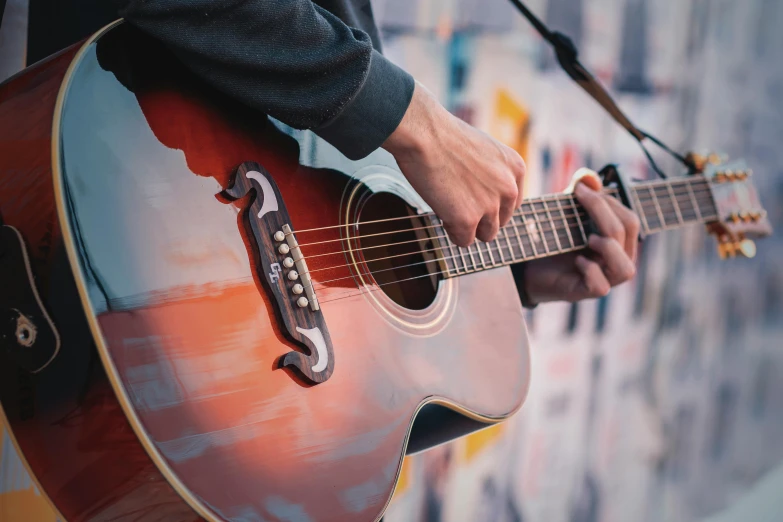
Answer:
[(279, 236), (284, 249), (302, 302), (293, 275), (298, 289), (288, 262)]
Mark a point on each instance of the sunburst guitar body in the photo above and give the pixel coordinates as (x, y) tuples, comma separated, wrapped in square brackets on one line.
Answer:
[(174, 375)]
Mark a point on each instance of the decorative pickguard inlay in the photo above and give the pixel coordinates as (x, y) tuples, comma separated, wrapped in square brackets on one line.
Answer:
[(280, 266)]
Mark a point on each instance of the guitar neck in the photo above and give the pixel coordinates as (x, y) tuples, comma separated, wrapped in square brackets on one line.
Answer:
[(558, 224)]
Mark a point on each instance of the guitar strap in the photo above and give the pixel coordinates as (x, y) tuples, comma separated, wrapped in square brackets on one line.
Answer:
[(568, 58)]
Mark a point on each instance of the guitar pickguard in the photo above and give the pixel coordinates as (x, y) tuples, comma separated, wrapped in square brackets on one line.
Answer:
[(27, 334)]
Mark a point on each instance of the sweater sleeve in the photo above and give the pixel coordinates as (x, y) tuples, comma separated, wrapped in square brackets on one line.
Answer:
[(290, 59)]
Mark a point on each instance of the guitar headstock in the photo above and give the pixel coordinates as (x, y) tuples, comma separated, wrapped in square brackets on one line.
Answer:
[(740, 214)]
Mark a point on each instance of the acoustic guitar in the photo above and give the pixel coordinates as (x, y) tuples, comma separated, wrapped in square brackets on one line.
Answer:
[(208, 315)]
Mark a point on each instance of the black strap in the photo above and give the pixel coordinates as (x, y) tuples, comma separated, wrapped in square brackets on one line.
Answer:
[(2, 10), (568, 57)]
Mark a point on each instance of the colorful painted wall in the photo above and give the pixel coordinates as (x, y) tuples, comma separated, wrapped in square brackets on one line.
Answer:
[(663, 402)]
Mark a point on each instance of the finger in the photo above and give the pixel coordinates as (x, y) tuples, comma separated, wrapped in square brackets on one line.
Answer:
[(594, 282), (507, 209), (488, 228), (615, 262), (631, 224), (461, 233), (520, 172), (600, 212)]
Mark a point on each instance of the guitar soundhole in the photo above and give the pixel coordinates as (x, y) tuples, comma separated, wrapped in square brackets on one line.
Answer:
[(399, 253)]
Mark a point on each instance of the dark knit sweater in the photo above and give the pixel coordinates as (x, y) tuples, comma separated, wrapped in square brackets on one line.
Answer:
[(310, 64)]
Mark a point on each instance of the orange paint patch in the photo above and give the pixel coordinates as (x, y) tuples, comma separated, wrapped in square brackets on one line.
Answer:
[(19, 504)]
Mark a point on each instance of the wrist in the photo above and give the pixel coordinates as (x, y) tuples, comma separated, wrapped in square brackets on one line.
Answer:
[(414, 132)]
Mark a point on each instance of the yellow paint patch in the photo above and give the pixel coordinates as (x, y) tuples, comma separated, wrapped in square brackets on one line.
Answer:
[(475, 443), (511, 123), (404, 483)]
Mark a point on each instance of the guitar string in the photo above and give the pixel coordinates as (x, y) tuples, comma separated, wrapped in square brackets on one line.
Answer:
[(555, 250), (533, 212), (361, 290), (506, 228), (688, 180), (489, 246), (377, 286), (551, 215)]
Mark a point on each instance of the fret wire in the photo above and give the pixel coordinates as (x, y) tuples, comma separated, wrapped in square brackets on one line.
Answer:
[(527, 230), (455, 257), (551, 221), (675, 204), (657, 206), (667, 209), (461, 252), (491, 257), (568, 226), (540, 229), (516, 231), (693, 200), (472, 259), (500, 250), (481, 255), (579, 220), (449, 244), (508, 242), (642, 214)]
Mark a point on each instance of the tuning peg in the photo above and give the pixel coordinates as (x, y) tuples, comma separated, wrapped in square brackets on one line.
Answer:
[(758, 216), (716, 159), (747, 248), (728, 248)]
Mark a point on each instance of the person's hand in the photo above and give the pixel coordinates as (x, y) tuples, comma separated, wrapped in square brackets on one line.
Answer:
[(609, 261), (471, 181)]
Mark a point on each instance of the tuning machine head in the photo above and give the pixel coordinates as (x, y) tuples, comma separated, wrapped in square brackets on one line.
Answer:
[(729, 247)]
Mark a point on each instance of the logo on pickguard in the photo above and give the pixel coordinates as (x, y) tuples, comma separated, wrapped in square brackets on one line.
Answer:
[(274, 275)]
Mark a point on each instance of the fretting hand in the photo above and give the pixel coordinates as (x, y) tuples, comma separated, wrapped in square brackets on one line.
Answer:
[(609, 261)]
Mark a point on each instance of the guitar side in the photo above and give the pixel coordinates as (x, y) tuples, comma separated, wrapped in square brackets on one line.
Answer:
[(168, 389)]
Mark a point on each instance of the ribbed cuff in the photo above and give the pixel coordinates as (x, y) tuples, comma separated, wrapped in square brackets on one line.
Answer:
[(374, 113)]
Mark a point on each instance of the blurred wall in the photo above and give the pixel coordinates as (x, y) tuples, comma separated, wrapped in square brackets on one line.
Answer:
[(663, 402)]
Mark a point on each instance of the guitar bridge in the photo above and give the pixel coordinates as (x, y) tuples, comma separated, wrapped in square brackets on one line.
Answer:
[(280, 265), (303, 273)]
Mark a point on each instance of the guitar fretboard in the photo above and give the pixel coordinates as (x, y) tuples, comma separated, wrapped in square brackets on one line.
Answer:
[(553, 225)]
